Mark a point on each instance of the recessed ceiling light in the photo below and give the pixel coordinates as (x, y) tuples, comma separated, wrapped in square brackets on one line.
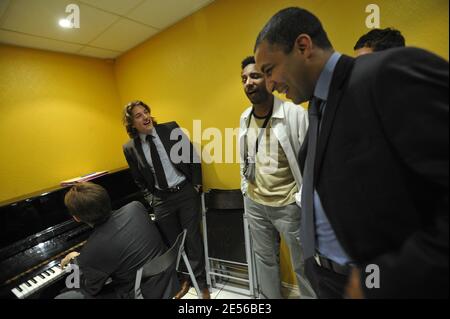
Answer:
[(65, 23)]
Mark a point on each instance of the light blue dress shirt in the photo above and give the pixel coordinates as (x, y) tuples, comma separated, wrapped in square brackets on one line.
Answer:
[(173, 176), (326, 241)]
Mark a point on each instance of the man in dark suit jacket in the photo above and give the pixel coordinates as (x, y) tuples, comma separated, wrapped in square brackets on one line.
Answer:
[(167, 169), (375, 188), (121, 242)]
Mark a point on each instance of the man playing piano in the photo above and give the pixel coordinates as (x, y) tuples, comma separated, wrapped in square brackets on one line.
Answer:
[(122, 241)]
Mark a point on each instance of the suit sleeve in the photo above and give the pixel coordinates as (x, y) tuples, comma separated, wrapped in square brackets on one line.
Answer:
[(92, 281), (411, 100), (194, 164), (137, 176)]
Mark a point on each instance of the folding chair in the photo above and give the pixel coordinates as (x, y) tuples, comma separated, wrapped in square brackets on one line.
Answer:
[(161, 263), (225, 209)]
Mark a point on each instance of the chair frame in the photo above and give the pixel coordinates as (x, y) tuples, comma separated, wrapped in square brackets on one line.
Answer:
[(250, 265), (163, 262)]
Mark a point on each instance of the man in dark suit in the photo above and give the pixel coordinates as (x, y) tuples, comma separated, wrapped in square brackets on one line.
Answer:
[(169, 180), (121, 242), (375, 164)]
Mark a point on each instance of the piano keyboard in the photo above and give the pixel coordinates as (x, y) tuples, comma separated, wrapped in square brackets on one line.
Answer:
[(38, 282)]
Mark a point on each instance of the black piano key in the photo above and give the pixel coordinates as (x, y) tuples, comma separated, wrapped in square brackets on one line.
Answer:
[(33, 281), (26, 283), (20, 289)]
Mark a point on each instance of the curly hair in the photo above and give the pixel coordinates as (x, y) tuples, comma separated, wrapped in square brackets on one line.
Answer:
[(128, 117), (248, 60)]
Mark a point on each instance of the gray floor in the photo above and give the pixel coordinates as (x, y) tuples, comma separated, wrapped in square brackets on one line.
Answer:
[(233, 291)]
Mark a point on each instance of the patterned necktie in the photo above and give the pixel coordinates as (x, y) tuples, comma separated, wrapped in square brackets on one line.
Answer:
[(157, 165), (308, 226)]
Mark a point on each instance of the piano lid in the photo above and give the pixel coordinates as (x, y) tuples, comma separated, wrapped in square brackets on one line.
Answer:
[(45, 191)]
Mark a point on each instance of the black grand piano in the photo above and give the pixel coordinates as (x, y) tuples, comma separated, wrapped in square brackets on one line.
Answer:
[(36, 232)]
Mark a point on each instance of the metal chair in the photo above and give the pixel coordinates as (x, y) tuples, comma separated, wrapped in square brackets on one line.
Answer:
[(223, 217), (171, 258)]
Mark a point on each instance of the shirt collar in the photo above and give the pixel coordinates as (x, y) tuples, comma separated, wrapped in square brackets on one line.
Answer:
[(144, 136), (323, 84), (277, 109)]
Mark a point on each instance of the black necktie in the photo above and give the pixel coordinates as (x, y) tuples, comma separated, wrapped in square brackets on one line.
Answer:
[(157, 165), (308, 226)]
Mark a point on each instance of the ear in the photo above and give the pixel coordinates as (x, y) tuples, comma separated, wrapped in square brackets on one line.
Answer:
[(77, 219), (303, 44)]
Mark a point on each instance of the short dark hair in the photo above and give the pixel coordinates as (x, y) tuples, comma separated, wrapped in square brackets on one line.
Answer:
[(88, 202), (248, 60), (381, 39), (286, 25), (127, 117)]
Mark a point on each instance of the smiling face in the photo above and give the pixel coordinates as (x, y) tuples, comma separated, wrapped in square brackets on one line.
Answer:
[(290, 73), (142, 121), (254, 85)]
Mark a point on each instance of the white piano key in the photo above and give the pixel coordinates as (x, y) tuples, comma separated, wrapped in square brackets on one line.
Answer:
[(17, 293), (39, 280), (31, 284), (53, 274), (57, 270), (43, 279), (24, 288)]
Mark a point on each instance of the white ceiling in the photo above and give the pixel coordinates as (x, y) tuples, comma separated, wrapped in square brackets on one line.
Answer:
[(108, 28)]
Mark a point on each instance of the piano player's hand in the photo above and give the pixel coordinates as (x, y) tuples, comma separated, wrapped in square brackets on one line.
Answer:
[(68, 258)]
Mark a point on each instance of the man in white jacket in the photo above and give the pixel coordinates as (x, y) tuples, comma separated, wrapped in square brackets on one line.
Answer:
[(271, 134)]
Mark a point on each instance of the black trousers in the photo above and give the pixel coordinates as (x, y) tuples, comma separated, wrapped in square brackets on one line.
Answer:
[(326, 283), (182, 210)]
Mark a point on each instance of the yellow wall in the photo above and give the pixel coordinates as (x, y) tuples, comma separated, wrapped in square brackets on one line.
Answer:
[(192, 70), (60, 114), (58, 119)]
